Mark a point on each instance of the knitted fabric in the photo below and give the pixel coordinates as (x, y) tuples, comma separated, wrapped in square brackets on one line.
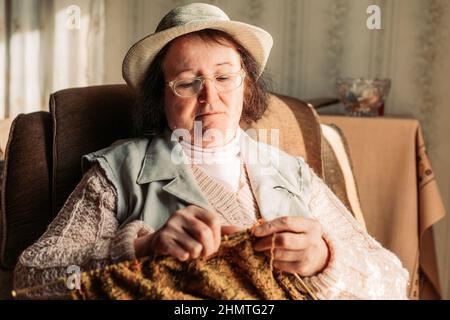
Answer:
[(236, 271)]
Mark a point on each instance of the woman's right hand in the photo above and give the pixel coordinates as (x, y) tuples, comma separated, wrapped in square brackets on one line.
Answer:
[(189, 233)]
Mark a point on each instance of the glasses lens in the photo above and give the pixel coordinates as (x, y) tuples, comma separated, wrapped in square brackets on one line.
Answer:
[(223, 82), (227, 82), (188, 88)]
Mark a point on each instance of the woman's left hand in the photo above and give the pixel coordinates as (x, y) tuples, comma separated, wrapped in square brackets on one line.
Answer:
[(299, 245)]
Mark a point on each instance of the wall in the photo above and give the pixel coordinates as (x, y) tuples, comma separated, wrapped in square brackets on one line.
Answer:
[(315, 41)]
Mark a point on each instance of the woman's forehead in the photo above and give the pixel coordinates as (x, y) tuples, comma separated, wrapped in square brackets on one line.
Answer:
[(191, 53)]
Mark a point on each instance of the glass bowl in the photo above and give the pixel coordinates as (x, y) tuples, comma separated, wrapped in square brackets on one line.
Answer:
[(362, 97)]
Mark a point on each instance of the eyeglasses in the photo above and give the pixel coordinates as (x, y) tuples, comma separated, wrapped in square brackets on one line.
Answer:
[(191, 87)]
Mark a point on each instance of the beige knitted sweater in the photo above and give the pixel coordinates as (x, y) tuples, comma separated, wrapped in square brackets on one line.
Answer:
[(85, 233)]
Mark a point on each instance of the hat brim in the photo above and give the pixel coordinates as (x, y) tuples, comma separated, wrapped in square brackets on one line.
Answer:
[(255, 40)]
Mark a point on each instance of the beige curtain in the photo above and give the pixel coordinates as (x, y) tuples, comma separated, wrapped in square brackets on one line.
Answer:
[(315, 41), (46, 46)]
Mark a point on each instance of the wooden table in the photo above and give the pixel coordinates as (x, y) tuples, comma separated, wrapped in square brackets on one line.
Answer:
[(398, 191)]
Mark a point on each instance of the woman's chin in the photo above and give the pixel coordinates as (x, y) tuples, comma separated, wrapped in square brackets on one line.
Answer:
[(215, 124), (216, 134)]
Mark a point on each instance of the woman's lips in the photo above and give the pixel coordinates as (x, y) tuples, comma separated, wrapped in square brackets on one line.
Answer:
[(207, 114)]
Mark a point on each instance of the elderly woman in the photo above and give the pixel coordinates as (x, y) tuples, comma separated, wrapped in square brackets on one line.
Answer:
[(193, 177)]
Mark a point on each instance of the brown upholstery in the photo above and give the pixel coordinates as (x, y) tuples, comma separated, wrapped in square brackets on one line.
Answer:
[(300, 133), (338, 169), (83, 120), (333, 173), (26, 208)]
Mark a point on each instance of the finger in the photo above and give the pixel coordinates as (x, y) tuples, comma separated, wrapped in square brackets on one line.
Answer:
[(288, 255), (202, 234), (292, 267), (302, 268), (175, 250), (202, 243), (227, 230), (212, 220), (189, 244), (293, 224), (164, 243), (187, 224), (283, 240)]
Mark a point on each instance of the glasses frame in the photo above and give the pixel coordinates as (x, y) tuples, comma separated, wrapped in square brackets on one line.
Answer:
[(173, 83)]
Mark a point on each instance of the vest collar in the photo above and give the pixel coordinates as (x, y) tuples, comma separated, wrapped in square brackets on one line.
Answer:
[(166, 154), (162, 159), (268, 174)]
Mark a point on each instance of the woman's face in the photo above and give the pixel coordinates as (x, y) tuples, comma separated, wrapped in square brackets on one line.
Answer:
[(189, 57)]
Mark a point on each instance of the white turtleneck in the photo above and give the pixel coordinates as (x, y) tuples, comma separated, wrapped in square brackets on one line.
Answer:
[(222, 163)]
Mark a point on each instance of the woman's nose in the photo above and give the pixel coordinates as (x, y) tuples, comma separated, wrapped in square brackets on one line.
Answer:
[(209, 93)]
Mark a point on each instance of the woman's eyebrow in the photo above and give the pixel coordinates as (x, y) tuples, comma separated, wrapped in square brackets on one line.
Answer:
[(224, 63), (217, 65)]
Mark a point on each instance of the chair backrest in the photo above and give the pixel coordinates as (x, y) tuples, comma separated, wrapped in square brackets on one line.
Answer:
[(85, 120), (338, 170), (298, 126), (82, 120), (25, 202)]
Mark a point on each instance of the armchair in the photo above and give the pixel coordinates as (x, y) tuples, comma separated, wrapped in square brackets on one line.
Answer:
[(42, 160)]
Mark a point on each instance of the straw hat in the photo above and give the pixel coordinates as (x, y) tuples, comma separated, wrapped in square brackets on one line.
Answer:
[(190, 18)]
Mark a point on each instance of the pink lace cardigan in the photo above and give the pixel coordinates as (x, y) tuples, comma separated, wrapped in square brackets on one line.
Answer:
[(85, 233)]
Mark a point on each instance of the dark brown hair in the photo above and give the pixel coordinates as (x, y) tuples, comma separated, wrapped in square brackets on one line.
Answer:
[(150, 118)]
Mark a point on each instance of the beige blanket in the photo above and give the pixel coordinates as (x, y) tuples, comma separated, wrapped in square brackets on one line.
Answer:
[(399, 193)]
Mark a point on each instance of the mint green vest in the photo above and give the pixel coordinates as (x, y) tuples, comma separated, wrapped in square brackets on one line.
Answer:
[(152, 181)]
